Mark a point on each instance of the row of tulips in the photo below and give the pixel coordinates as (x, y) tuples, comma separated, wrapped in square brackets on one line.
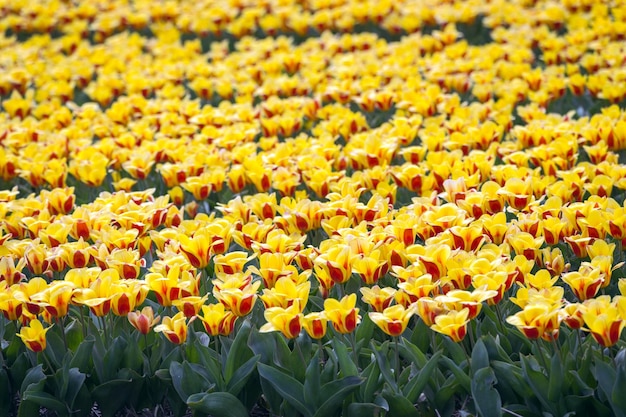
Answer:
[(304, 222)]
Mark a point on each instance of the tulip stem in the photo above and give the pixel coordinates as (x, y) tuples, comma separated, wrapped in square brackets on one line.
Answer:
[(103, 323), (355, 357), (499, 314), (47, 361), (62, 326), (397, 371), (299, 349), (321, 349), (82, 320)]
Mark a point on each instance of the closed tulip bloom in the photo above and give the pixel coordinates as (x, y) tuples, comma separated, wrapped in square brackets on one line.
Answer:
[(536, 320), (34, 336), (239, 301), (217, 320), (286, 320), (337, 262), (378, 298), (143, 320), (343, 314), (174, 328), (603, 321), (315, 324), (393, 320), (452, 324)]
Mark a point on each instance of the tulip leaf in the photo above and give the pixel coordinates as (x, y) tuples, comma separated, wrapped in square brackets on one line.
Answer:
[(618, 398), (605, 375), (312, 381), (43, 399), (239, 351), (5, 392), (83, 355), (461, 377), (365, 330), (217, 404), (512, 377), (188, 379), (555, 386), (399, 405), (480, 356), (33, 376), (416, 385), (346, 364), (262, 344), (454, 350), (383, 364), (242, 375), (112, 395), (372, 381), (290, 388), (538, 382), (73, 381), (412, 353), (365, 410), (335, 392), (486, 398)]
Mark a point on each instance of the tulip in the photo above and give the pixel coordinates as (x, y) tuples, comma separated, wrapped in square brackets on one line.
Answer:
[(217, 320), (343, 314), (190, 306), (286, 320), (143, 320), (585, 283), (452, 324), (239, 301), (378, 298), (537, 320), (393, 320), (315, 324), (603, 321), (34, 336), (174, 328)]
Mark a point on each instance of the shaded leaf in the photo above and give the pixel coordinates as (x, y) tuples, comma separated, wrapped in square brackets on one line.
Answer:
[(335, 392), (486, 397), (217, 404), (290, 388)]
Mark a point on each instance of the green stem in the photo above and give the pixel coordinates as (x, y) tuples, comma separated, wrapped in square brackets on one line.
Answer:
[(47, 361), (104, 328), (61, 324), (321, 350), (355, 356), (397, 371), (299, 349), (500, 321), (82, 320)]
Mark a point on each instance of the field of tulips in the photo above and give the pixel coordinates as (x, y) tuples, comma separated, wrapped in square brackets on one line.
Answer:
[(312, 208)]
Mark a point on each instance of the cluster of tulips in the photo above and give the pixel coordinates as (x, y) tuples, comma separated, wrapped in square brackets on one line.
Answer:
[(347, 163)]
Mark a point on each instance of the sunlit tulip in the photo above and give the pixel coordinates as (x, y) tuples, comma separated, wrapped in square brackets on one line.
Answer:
[(286, 320), (174, 328), (337, 262), (143, 320), (378, 298), (460, 299), (452, 324), (342, 313), (585, 283), (393, 320), (189, 306), (217, 320), (286, 292), (34, 335), (370, 267), (55, 299), (573, 315), (9, 271), (603, 321), (231, 262), (315, 324), (239, 301), (537, 320)]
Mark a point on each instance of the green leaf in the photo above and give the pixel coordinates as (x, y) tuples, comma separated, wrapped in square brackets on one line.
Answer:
[(217, 404), (336, 392), (512, 377), (365, 330), (416, 385), (239, 351), (262, 344), (112, 395), (290, 388), (188, 379), (383, 364), (537, 381), (75, 381), (486, 398), (372, 382), (5, 392), (312, 381), (555, 387), (83, 356), (480, 356), (242, 375), (605, 375), (618, 397), (346, 364), (43, 399), (455, 351), (412, 353), (33, 376), (462, 378), (399, 405), (364, 410)]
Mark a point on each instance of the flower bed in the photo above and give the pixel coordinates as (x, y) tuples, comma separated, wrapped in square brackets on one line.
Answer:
[(317, 208)]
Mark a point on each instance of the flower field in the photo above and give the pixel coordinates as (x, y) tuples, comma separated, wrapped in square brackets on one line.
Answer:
[(312, 208)]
